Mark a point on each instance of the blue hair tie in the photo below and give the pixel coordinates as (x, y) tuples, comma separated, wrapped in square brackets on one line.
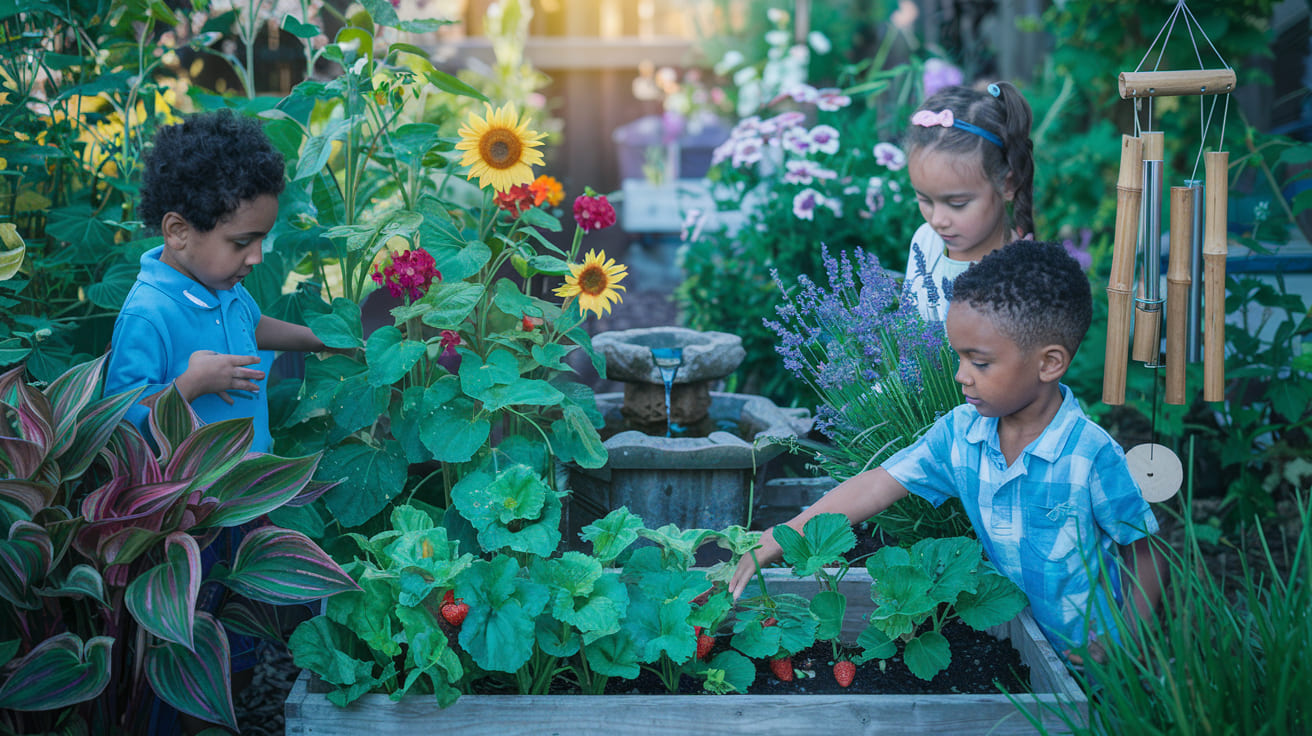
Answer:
[(994, 90)]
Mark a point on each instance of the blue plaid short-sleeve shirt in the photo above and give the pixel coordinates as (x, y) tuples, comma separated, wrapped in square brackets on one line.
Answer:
[(1051, 521)]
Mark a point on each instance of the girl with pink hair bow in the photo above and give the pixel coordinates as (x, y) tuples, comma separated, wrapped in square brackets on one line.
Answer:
[(971, 163)]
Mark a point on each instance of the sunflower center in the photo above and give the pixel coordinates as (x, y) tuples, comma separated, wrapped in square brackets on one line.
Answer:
[(500, 148), (593, 280)]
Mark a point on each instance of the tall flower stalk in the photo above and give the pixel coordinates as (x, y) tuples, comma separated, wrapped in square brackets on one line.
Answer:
[(883, 373)]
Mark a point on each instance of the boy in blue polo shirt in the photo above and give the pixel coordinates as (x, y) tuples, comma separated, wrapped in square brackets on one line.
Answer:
[(210, 185), (1047, 490)]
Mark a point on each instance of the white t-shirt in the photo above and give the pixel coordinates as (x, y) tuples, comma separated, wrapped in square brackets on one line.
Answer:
[(938, 270)]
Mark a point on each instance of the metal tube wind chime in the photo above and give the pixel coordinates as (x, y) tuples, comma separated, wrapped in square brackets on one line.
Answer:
[(1197, 235), (1139, 232)]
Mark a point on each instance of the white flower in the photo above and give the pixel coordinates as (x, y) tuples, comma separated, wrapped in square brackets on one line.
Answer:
[(806, 171), (777, 16), (819, 42), (802, 93), (797, 140), (890, 156), (731, 60), (805, 203), (825, 138), (776, 38), (747, 151)]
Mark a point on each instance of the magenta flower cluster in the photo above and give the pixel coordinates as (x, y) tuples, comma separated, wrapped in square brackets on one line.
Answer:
[(408, 273), (593, 212)]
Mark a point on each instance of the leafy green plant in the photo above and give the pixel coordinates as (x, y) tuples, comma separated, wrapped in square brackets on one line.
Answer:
[(917, 591), (103, 540), (883, 375), (538, 617), (1227, 653)]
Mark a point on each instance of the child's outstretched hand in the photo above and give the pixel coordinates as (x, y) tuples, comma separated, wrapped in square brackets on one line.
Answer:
[(209, 372), (767, 553)]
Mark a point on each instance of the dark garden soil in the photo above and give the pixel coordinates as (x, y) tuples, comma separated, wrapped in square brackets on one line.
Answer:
[(980, 664)]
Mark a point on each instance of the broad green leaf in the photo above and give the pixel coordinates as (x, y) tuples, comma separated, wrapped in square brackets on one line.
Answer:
[(113, 287), (514, 302), (340, 328), (298, 28), (927, 655), (521, 392), (589, 600), (281, 566), (499, 632), (660, 626), (163, 599), (950, 563), (317, 645), (369, 237), (368, 613), (828, 607), (429, 654), (59, 672), (900, 591), (196, 681), (613, 533), (448, 83), (451, 302), (551, 356), (318, 149), (391, 355), (456, 429), (356, 405), (616, 655), (11, 258), (825, 539), (996, 600), (369, 477), (80, 225), (574, 439), (875, 644), (738, 671)]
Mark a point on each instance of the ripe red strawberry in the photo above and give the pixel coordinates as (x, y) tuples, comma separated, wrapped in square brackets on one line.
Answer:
[(448, 597), (454, 612), (782, 667), (844, 672), (705, 642)]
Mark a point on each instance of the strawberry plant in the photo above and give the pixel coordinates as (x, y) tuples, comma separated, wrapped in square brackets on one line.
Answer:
[(102, 541), (917, 591)]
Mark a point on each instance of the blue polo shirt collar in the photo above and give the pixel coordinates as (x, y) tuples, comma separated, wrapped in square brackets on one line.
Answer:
[(1048, 446), (174, 284)]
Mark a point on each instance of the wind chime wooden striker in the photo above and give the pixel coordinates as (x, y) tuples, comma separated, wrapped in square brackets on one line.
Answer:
[(1197, 243)]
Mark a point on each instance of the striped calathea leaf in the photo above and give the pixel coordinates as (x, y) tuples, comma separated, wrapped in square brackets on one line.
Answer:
[(59, 672), (196, 680), (282, 566)]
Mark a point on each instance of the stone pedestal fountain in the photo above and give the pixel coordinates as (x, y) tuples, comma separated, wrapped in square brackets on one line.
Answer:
[(690, 481)]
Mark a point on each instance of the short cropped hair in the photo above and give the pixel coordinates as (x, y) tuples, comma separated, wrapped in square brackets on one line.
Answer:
[(204, 168), (1036, 291)]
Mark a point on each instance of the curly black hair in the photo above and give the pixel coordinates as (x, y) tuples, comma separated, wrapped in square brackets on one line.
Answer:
[(1036, 291), (204, 168)]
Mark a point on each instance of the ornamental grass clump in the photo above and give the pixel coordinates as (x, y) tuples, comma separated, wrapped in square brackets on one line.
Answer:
[(882, 372)]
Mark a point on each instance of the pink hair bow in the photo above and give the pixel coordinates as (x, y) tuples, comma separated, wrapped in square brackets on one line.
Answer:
[(927, 119)]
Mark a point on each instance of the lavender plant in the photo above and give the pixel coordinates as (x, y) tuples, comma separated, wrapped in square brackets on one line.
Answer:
[(883, 373)]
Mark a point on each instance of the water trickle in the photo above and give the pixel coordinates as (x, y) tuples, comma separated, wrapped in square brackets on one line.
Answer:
[(667, 362)]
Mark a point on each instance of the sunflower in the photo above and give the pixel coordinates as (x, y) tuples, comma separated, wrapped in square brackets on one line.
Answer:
[(500, 149), (595, 283)]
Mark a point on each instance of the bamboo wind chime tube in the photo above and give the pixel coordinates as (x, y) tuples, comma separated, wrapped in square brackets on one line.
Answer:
[(1148, 315), (1177, 292), (1174, 84), (1214, 255), (1120, 308)]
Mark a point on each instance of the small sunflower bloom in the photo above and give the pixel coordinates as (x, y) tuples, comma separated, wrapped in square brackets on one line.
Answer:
[(500, 149), (595, 282)]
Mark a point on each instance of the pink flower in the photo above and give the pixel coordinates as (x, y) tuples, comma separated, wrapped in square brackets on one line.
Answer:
[(940, 74), (890, 156), (831, 99), (408, 273), (593, 212), (450, 359)]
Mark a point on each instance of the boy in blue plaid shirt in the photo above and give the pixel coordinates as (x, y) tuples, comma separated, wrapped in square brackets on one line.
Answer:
[(1047, 490)]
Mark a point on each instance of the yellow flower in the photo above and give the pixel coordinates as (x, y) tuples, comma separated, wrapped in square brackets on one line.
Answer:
[(595, 283), (500, 149)]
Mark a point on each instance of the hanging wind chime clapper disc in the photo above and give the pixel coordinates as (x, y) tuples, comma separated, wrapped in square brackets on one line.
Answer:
[(1177, 83), (1156, 469)]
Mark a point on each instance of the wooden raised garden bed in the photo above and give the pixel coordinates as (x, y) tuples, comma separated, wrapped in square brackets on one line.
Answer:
[(309, 712)]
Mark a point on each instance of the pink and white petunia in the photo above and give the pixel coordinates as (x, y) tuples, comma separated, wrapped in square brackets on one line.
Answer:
[(806, 202), (890, 156), (831, 99), (825, 138)]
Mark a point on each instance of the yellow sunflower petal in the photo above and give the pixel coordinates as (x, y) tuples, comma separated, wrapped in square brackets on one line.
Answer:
[(499, 147)]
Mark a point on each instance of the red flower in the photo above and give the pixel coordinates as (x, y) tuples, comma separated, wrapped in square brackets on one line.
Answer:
[(593, 212), (409, 272), (450, 359), (518, 199)]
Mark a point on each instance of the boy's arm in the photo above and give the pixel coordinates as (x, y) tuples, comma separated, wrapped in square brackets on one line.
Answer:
[(276, 334), (1150, 574), (858, 498)]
